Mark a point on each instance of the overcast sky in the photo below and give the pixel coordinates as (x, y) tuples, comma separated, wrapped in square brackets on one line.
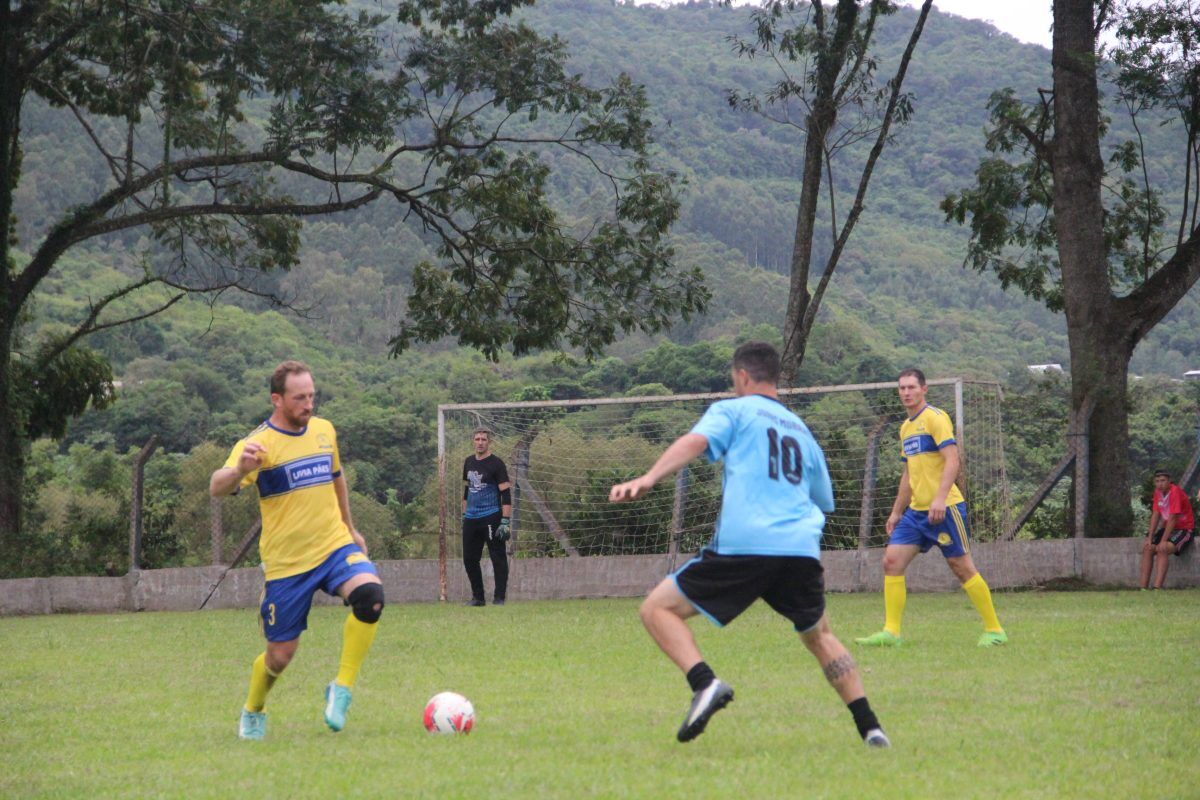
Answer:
[(1026, 20)]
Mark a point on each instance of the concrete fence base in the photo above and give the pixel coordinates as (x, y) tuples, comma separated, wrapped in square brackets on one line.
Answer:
[(1107, 562)]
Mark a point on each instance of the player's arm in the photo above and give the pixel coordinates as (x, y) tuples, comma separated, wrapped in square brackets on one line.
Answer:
[(673, 459), (937, 509), (1153, 523), (505, 489), (466, 488), (226, 480), (903, 498), (343, 500)]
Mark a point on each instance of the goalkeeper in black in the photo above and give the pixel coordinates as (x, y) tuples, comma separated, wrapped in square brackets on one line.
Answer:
[(486, 505)]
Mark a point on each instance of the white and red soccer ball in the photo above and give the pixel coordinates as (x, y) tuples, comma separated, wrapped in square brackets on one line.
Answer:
[(449, 712)]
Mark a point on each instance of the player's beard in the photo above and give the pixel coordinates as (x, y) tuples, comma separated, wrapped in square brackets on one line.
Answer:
[(297, 421)]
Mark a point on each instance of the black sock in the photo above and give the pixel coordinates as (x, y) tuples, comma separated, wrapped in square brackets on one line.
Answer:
[(864, 717), (700, 676)]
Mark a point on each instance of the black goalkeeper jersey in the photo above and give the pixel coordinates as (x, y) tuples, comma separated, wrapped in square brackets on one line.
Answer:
[(483, 479)]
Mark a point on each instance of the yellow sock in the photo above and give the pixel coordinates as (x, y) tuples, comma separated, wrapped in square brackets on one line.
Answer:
[(894, 596), (261, 681), (356, 641), (981, 596)]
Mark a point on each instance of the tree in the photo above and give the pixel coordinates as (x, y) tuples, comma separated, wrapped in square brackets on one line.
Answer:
[(1095, 230), (223, 123), (838, 74)]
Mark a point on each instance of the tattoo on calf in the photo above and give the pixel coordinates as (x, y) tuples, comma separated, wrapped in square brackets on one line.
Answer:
[(840, 666)]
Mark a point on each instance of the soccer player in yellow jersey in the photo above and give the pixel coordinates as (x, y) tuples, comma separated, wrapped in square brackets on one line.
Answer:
[(929, 510), (308, 542)]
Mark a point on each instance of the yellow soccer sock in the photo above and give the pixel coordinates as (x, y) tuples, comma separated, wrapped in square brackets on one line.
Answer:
[(261, 681), (894, 596), (356, 641), (977, 589)]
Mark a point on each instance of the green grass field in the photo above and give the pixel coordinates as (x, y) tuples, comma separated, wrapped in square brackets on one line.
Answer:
[(1096, 697)]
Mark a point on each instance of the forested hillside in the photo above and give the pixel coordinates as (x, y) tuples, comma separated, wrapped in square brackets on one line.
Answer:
[(196, 374)]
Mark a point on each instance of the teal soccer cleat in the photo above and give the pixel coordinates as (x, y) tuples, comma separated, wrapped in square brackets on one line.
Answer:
[(337, 703), (252, 725)]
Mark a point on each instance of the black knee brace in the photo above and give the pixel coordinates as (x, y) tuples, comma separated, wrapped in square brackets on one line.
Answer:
[(367, 602)]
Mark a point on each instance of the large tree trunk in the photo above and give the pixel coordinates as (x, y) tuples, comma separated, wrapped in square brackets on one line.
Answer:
[(1099, 337), (12, 452), (1100, 356), (12, 464)]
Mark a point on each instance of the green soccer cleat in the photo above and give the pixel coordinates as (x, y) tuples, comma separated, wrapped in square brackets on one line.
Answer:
[(990, 639), (337, 702), (880, 639), (252, 725)]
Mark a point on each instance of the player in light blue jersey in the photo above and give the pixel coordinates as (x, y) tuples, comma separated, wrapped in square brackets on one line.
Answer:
[(775, 496)]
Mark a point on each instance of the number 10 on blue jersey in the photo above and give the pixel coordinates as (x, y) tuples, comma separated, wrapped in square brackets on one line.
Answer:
[(784, 452)]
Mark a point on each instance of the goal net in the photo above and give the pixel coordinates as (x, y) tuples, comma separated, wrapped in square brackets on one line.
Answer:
[(564, 456)]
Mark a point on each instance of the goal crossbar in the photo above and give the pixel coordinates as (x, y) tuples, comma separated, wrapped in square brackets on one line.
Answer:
[(674, 398), (563, 489)]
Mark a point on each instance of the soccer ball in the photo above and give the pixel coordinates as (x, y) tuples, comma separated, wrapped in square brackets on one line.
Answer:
[(449, 712)]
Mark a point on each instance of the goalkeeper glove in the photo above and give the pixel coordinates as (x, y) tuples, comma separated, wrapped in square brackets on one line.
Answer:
[(501, 533)]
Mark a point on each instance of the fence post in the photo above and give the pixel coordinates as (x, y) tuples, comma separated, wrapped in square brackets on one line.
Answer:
[(1080, 426), (441, 468), (867, 510), (135, 511), (681, 487), (217, 526), (520, 467)]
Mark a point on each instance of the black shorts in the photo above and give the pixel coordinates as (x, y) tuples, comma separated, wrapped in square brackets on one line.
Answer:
[(1180, 538), (722, 587)]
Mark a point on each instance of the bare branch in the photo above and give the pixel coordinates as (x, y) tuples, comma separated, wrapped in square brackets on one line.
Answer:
[(109, 158), (89, 325), (224, 209), (810, 313), (54, 45)]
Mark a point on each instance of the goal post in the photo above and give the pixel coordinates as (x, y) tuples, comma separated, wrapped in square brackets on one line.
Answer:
[(563, 455)]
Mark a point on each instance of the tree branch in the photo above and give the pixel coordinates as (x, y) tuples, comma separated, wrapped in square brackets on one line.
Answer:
[(89, 326), (110, 159), (64, 36), (68, 230), (1146, 305), (224, 209)]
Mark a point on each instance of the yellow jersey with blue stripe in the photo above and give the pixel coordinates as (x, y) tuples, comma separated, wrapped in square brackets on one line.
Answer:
[(921, 441), (301, 521)]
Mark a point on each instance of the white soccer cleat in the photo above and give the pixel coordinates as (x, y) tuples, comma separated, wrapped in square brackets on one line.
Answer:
[(877, 738), (705, 703)]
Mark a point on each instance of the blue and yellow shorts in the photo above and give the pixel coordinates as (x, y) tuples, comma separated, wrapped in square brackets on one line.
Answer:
[(951, 534), (286, 601)]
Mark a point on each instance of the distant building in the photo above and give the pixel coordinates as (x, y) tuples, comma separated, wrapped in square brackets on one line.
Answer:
[(1192, 375), (1045, 369)]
